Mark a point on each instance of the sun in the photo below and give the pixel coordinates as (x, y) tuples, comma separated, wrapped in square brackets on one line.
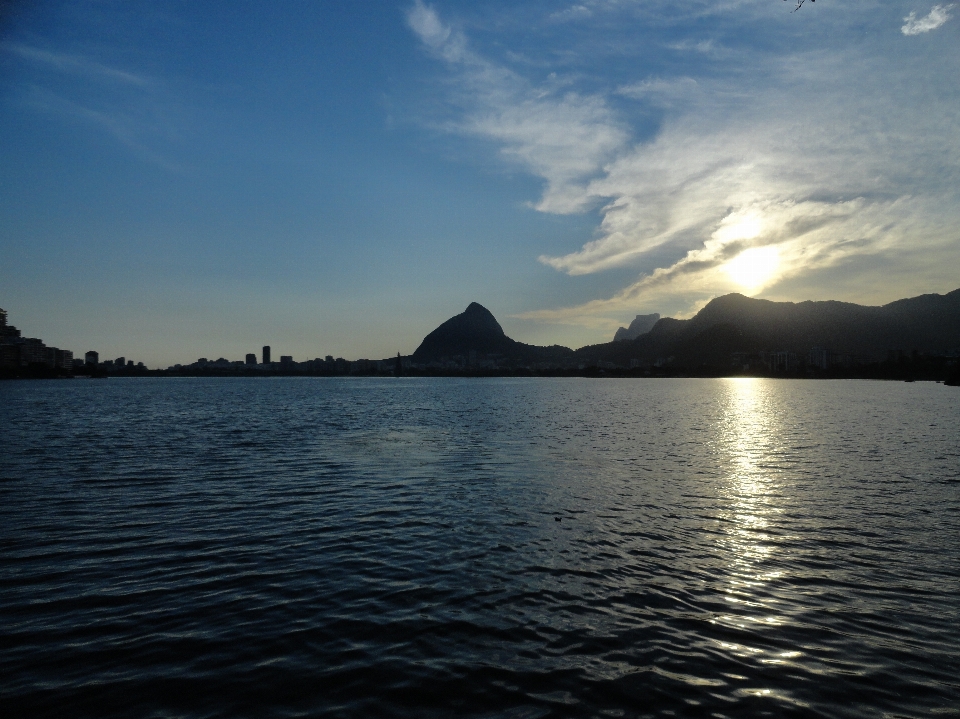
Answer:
[(753, 268)]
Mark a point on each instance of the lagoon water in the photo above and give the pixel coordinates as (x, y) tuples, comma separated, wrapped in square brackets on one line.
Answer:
[(479, 547)]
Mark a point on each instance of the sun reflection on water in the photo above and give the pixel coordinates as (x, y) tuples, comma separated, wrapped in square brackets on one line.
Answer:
[(748, 443)]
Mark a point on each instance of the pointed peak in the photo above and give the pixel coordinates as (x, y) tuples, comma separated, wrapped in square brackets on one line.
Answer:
[(475, 308)]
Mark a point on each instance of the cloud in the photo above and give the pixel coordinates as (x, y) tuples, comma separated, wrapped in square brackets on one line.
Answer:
[(656, 10), (938, 15), (125, 127), (659, 92), (806, 143), (563, 137), (829, 156), (75, 64), (808, 236), (823, 180), (133, 109)]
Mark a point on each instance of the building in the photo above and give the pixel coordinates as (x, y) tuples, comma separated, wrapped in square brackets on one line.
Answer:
[(821, 358), (9, 355), (783, 361), (286, 360), (17, 351), (10, 342), (7, 331), (266, 354), (251, 359), (92, 357), (33, 351)]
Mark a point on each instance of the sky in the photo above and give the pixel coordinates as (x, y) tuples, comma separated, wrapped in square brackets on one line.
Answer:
[(183, 180)]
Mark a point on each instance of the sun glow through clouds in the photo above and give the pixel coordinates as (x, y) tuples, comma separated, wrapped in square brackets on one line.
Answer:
[(753, 268)]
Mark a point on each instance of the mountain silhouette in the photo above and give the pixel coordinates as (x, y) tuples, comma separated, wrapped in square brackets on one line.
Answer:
[(640, 326), (734, 323), (476, 330), (726, 325)]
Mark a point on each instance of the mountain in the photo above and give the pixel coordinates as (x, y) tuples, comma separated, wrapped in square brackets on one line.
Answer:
[(477, 331), (640, 326), (734, 323), (729, 326)]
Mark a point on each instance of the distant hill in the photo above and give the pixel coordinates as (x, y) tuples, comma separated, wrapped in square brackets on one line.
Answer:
[(640, 326), (727, 326), (734, 323), (477, 331)]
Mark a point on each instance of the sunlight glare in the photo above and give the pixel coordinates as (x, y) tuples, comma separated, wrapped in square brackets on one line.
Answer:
[(753, 268)]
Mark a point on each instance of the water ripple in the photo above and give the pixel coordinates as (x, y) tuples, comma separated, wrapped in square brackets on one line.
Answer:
[(508, 548)]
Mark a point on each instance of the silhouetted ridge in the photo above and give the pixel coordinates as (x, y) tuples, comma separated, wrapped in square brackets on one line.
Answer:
[(477, 331), (737, 324), (640, 326)]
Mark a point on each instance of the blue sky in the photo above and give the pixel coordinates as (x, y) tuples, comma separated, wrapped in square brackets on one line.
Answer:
[(198, 179)]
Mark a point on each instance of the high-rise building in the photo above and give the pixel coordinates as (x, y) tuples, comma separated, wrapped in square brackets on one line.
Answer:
[(92, 357), (9, 355), (251, 359), (10, 343), (33, 351), (266, 354)]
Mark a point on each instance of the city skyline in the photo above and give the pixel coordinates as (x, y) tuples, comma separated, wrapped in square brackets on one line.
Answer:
[(733, 335), (340, 179)]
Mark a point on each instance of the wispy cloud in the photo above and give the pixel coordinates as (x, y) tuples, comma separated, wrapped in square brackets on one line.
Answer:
[(130, 107), (937, 16), (124, 127), (75, 64), (807, 236), (563, 137), (825, 156), (818, 176), (660, 92)]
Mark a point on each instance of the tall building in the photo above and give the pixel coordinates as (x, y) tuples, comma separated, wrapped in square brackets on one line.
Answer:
[(10, 342), (92, 357), (9, 355), (8, 333), (251, 359), (33, 351), (266, 354)]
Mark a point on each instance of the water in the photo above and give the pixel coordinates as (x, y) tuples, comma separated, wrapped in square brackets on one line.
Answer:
[(479, 547)]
